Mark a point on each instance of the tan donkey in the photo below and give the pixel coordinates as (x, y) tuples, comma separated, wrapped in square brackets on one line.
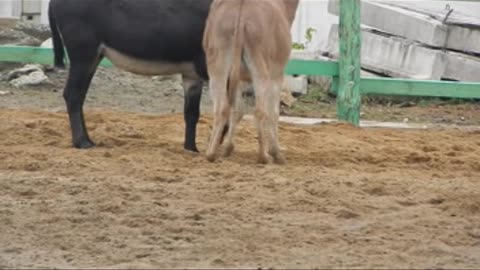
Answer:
[(248, 41)]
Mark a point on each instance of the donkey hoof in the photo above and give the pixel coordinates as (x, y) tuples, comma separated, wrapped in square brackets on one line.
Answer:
[(212, 157), (280, 160), (229, 149), (263, 159), (83, 143)]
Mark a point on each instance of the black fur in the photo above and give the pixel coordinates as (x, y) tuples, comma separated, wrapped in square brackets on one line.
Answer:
[(162, 30)]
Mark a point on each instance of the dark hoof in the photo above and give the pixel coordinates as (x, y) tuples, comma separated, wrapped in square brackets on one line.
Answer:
[(191, 149), (229, 149), (60, 66), (280, 160), (212, 157), (263, 159), (84, 144)]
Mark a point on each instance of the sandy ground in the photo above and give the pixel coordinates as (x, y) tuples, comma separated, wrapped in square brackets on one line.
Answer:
[(348, 197)]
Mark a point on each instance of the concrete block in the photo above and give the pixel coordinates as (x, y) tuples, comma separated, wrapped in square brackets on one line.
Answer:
[(296, 85), (463, 29), (305, 55), (457, 13), (416, 26), (462, 67), (395, 56), (400, 22), (463, 39)]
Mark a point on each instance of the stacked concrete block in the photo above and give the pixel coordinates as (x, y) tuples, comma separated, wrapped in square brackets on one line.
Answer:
[(400, 41), (463, 31), (399, 22), (417, 26), (462, 67), (464, 39), (394, 56)]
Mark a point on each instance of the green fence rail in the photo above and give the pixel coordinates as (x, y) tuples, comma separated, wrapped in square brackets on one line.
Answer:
[(36, 55), (44, 56), (417, 88), (312, 68), (376, 86)]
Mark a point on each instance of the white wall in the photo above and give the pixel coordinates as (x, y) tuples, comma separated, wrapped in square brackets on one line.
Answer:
[(9, 8), (44, 17), (314, 14)]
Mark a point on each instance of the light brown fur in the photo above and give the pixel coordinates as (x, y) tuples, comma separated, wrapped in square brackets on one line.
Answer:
[(248, 41)]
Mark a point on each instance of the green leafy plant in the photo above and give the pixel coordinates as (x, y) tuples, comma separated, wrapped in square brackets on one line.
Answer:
[(298, 46), (308, 36)]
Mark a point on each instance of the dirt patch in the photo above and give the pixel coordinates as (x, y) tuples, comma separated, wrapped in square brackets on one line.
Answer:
[(111, 88), (348, 197)]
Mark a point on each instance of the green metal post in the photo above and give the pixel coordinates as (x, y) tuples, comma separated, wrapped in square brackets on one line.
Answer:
[(349, 97)]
